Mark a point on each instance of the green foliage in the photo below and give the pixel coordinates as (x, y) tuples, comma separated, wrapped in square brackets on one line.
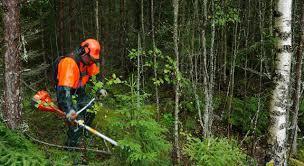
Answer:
[(244, 112), (107, 84), (300, 154), (97, 85), (141, 139), (167, 120), (253, 51), (298, 159), (214, 152), (226, 15), (15, 149), (165, 65), (62, 158), (301, 118)]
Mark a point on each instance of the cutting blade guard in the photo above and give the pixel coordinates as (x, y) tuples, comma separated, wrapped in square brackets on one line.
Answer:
[(43, 101)]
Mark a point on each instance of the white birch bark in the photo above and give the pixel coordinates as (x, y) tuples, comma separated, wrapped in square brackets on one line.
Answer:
[(208, 75), (279, 101), (143, 37), (139, 51), (212, 71), (205, 74), (97, 19), (177, 86), (154, 59)]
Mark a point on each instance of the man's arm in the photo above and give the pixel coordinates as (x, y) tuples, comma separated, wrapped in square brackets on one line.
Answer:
[(64, 99)]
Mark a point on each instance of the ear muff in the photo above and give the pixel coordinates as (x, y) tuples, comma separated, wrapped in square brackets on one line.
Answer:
[(87, 50), (80, 51)]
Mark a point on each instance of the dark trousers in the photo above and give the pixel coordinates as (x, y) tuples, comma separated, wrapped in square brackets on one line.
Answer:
[(75, 132)]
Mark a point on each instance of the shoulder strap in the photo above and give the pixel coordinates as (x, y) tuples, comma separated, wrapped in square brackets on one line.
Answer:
[(55, 69), (81, 74)]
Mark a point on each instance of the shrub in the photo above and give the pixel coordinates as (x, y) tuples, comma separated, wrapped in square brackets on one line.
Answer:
[(15, 149), (214, 152), (141, 139), (244, 110)]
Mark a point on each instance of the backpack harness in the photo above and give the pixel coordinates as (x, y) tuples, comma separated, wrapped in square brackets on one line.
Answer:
[(55, 70)]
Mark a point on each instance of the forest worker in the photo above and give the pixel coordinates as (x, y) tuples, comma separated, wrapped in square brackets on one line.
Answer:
[(73, 72)]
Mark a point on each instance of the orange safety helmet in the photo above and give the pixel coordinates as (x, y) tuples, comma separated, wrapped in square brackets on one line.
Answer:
[(92, 47)]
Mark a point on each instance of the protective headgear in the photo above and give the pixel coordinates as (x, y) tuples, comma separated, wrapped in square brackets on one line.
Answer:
[(92, 47)]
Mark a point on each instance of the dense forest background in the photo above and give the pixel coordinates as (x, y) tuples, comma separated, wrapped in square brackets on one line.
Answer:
[(189, 81)]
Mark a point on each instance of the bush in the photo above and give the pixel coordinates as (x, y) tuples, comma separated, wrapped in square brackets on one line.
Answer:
[(15, 149), (243, 112), (141, 139), (214, 152)]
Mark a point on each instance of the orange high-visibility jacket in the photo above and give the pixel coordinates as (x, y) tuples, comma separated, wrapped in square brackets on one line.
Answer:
[(69, 74)]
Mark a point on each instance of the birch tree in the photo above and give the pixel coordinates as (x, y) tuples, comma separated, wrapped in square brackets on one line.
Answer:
[(154, 59), (97, 19), (208, 78), (61, 26), (279, 99), (205, 71), (72, 23), (12, 67), (177, 86), (195, 80)]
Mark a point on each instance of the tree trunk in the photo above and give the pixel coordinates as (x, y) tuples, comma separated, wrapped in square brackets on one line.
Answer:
[(71, 23), (246, 46), (177, 86), (61, 20), (212, 72), (194, 78), (82, 22), (230, 92), (143, 37), (279, 101), (122, 36), (205, 72), (97, 20), (297, 93), (225, 46), (139, 54), (154, 59), (12, 67), (262, 55)]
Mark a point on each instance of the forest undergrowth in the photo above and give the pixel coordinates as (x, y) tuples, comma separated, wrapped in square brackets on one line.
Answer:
[(143, 140), (131, 120)]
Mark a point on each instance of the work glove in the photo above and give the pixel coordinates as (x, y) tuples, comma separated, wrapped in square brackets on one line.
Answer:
[(71, 115), (103, 92)]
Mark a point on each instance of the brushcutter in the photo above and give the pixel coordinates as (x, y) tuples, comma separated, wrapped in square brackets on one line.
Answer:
[(43, 101)]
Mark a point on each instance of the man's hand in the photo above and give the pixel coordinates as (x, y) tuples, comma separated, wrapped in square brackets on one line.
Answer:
[(103, 92), (71, 116)]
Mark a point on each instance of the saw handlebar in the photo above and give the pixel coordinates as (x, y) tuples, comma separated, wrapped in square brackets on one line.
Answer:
[(81, 123)]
